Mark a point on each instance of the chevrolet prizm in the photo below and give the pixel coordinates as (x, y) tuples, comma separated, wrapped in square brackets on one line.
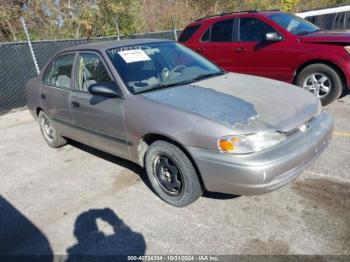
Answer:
[(191, 125)]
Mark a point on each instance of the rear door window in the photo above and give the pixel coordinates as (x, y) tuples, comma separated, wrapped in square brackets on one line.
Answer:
[(188, 32), (59, 73), (222, 31)]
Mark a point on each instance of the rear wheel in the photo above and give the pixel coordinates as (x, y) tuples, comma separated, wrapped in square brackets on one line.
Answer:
[(172, 174), (52, 138), (322, 80)]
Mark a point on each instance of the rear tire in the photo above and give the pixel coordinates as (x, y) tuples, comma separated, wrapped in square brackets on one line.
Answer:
[(171, 174), (49, 132), (318, 78)]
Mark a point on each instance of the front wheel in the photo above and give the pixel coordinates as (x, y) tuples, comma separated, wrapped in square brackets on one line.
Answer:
[(322, 80), (172, 174)]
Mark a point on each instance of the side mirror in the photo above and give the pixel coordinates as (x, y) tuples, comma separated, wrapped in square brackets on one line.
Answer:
[(106, 89), (273, 37)]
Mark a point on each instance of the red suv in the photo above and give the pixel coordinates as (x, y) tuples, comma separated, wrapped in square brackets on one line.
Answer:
[(276, 45)]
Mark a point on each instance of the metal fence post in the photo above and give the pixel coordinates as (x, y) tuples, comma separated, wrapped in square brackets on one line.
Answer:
[(174, 29), (30, 45), (117, 28)]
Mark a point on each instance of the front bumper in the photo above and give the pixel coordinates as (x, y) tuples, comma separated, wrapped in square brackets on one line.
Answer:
[(266, 171)]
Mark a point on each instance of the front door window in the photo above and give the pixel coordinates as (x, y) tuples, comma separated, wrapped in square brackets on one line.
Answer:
[(90, 70)]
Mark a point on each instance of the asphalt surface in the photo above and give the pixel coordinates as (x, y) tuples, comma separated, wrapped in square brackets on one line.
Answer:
[(77, 200)]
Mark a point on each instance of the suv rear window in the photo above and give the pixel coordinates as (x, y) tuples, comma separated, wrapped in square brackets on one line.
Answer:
[(188, 32)]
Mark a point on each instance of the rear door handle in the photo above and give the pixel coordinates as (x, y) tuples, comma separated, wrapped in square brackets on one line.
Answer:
[(75, 104), (43, 96), (241, 50)]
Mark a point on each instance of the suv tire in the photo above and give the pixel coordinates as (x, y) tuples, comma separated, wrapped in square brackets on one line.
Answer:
[(321, 76)]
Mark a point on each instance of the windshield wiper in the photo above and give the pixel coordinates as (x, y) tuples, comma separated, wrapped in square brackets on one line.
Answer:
[(189, 81), (203, 76), (159, 86), (309, 32)]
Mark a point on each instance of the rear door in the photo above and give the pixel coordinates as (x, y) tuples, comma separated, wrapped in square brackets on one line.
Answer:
[(56, 89), (99, 121), (255, 56), (216, 44)]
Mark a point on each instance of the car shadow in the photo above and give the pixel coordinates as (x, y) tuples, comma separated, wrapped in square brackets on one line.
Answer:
[(220, 196), (95, 244), (113, 159), (345, 93), (20, 239), (138, 169)]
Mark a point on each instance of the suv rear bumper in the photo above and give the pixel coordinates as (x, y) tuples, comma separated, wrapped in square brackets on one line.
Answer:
[(265, 171)]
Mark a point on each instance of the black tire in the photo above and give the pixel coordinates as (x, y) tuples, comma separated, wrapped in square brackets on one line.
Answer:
[(54, 140), (190, 189), (336, 82)]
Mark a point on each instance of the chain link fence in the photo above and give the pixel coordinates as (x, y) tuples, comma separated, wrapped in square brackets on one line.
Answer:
[(17, 65)]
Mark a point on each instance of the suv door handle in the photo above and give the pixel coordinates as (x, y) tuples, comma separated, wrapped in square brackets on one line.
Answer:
[(200, 49), (75, 104), (43, 96), (241, 49)]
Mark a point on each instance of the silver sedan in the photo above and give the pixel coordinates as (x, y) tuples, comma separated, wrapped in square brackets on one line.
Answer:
[(191, 125)]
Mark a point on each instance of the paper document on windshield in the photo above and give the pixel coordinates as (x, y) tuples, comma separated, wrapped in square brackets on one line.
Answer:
[(135, 55)]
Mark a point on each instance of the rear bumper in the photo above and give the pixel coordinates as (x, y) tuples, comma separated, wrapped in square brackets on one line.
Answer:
[(266, 171)]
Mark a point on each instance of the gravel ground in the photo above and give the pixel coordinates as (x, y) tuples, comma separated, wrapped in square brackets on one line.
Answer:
[(79, 200)]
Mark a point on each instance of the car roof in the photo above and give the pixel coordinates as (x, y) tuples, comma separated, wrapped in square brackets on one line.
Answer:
[(104, 45), (238, 13)]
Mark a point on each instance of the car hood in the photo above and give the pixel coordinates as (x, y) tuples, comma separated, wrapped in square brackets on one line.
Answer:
[(327, 37), (246, 103)]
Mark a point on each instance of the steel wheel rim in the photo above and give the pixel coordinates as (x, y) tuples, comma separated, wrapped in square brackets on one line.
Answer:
[(47, 128), (318, 84), (168, 175)]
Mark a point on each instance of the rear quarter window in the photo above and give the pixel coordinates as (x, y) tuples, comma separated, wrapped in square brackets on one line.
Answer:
[(188, 32)]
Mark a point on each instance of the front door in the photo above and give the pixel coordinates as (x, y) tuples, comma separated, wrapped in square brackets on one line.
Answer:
[(99, 121), (256, 56)]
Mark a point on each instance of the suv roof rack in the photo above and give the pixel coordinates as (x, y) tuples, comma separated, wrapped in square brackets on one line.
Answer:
[(234, 12)]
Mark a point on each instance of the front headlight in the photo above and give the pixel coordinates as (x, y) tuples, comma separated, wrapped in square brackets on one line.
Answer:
[(347, 48), (244, 144)]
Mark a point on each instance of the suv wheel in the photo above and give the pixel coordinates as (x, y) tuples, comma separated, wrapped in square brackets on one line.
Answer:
[(172, 174), (49, 131), (322, 80)]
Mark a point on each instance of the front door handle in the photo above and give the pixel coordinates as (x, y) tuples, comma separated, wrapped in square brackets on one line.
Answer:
[(43, 96), (241, 50), (200, 49), (75, 104)]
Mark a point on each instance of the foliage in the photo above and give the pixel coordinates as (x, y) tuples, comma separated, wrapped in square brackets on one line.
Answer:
[(60, 19)]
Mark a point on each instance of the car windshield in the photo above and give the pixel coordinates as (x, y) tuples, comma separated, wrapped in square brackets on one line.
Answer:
[(151, 66), (294, 24)]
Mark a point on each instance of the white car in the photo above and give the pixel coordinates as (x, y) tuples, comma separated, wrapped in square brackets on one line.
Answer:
[(335, 18)]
